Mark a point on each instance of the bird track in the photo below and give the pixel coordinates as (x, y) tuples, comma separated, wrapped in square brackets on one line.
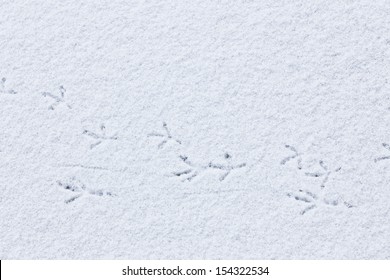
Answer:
[(58, 99), (4, 89), (99, 137), (313, 200), (166, 136), (387, 147), (295, 156), (195, 169), (324, 174), (79, 189)]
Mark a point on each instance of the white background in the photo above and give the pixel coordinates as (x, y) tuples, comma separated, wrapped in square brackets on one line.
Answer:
[(235, 79), (42, 270)]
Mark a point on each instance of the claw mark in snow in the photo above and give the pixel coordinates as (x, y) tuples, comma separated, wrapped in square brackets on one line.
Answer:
[(166, 136), (3, 88), (99, 137), (296, 155), (387, 147), (57, 99), (325, 174), (79, 189)]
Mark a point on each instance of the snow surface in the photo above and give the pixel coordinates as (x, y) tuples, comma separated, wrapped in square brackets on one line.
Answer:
[(195, 129)]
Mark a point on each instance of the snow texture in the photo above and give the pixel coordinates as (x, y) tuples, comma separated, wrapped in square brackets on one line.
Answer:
[(195, 129)]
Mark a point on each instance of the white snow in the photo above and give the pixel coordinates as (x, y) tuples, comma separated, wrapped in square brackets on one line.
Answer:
[(195, 129)]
